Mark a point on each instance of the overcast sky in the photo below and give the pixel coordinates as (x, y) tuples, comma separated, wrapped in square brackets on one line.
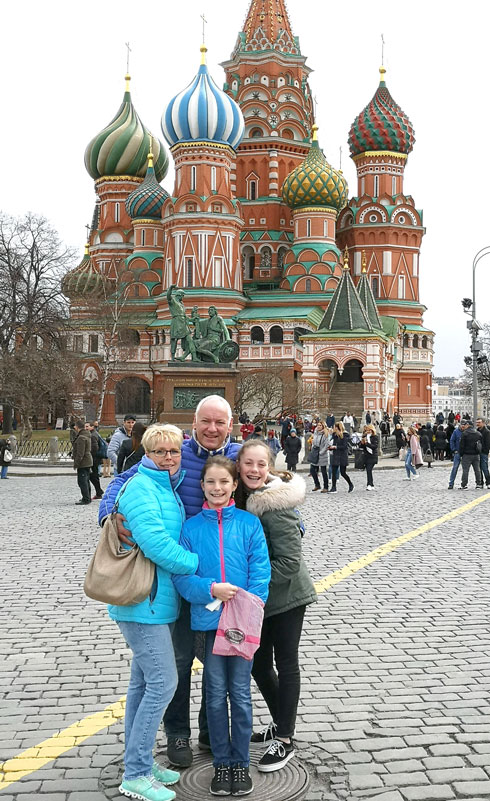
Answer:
[(64, 64)]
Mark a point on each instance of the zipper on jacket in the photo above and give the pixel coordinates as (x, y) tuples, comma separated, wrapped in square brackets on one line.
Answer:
[(219, 512)]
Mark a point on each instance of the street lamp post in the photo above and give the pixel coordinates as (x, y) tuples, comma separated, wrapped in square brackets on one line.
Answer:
[(474, 328)]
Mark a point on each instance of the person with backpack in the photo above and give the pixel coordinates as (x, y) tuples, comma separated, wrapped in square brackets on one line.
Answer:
[(120, 434), (131, 450)]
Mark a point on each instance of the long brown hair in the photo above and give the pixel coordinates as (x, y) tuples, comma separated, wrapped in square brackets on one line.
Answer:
[(340, 429), (242, 493), (137, 435)]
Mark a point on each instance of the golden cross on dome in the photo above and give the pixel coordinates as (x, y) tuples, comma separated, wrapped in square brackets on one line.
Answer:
[(87, 228), (340, 157), (382, 49), (127, 57)]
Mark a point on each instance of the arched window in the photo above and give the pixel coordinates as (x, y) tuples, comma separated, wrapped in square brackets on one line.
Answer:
[(132, 395), (266, 258), (405, 340), (375, 287), (189, 272), (253, 190), (276, 335), (425, 342), (415, 341), (308, 228), (248, 262), (142, 237), (256, 132), (281, 255), (128, 337), (376, 186), (117, 212), (308, 285), (257, 335), (213, 179), (193, 178)]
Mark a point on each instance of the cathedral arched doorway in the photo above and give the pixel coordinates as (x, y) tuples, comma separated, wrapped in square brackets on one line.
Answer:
[(352, 372), (132, 396)]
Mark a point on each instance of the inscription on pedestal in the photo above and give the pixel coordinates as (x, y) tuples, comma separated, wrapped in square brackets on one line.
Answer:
[(189, 397)]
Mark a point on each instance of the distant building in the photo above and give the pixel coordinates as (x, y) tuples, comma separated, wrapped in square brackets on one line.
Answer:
[(260, 225)]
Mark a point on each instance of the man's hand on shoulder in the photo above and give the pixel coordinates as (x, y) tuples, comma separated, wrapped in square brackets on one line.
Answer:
[(123, 533)]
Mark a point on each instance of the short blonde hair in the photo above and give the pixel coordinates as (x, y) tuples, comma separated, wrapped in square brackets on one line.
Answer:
[(157, 433)]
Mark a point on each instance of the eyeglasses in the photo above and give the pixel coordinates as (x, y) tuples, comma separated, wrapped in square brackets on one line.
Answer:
[(172, 452)]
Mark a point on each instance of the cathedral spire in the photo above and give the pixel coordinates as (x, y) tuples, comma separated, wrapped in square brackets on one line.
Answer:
[(267, 23)]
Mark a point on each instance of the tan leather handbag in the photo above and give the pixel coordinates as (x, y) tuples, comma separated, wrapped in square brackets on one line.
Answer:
[(118, 575)]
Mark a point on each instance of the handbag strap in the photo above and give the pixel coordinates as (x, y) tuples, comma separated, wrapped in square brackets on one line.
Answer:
[(120, 494)]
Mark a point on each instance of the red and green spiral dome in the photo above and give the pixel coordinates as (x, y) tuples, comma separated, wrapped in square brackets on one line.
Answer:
[(381, 125)]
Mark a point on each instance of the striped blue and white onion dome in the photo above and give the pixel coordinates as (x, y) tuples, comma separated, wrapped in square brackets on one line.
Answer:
[(203, 113)]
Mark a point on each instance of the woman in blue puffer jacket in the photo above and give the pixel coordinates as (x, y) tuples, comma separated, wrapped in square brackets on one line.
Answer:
[(232, 553), (155, 514)]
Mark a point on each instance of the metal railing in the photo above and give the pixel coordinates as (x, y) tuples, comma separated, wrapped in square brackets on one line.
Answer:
[(43, 449)]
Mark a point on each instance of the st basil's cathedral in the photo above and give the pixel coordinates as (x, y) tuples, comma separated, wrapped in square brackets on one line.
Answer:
[(260, 226)]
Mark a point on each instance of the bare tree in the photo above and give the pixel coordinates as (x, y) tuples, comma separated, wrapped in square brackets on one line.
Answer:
[(32, 310), (267, 391)]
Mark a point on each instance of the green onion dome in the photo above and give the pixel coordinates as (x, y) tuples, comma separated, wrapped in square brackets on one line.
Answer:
[(85, 279), (382, 125), (315, 182), (148, 198), (121, 147)]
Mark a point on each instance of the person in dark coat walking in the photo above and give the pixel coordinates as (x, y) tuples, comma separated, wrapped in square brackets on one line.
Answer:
[(292, 447), (369, 444), (400, 437), (94, 470), (82, 460), (485, 449), (340, 455), (440, 444)]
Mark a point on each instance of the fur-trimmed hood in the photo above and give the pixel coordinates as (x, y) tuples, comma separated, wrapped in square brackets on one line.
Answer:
[(277, 494)]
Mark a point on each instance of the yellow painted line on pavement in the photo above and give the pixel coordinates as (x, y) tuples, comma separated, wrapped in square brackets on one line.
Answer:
[(358, 564), (34, 758), (47, 751)]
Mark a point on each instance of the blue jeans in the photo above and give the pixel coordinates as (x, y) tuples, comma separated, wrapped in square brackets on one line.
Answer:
[(177, 717), (484, 467), (151, 686), (5, 468), (408, 464), (228, 676), (456, 463)]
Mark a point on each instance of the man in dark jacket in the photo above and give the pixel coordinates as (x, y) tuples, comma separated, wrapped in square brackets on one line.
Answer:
[(470, 448), (94, 451), (82, 461), (213, 422), (485, 448)]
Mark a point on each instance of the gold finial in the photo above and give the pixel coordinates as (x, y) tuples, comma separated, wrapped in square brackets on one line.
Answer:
[(364, 262), (204, 50), (150, 154), (382, 72), (87, 228), (346, 258), (86, 253), (314, 134), (127, 78)]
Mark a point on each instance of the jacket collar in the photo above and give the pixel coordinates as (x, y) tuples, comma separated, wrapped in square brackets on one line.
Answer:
[(226, 511), (201, 451), (162, 477)]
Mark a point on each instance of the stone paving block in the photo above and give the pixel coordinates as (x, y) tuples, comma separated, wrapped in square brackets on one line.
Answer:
[(405, 765), (406, 779), (441, 792), (456, 774), (473, 788), (364, 781), (389, 796), (450, 749), (400, 753), (441, 763), (377, 743)]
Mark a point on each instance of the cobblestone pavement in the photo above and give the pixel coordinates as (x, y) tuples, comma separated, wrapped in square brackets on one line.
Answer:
[(396, 664)]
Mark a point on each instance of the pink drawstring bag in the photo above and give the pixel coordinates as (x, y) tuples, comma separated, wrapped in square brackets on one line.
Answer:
[(239, 626)]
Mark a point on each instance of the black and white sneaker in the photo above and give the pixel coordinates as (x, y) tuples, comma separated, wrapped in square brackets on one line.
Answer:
[(277, 755), (265, 734), (221, 783), (241, 782)]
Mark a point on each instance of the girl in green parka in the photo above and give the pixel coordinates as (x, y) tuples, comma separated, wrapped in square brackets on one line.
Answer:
[(273, 497)]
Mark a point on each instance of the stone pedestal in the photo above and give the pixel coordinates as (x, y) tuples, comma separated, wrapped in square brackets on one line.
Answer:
[(181, 385)]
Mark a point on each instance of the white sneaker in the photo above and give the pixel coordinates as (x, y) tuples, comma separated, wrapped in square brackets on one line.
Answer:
[(407, 478), (369, 487), (415, 477)]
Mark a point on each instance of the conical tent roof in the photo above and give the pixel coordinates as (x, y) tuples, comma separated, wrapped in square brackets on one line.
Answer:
[(367, 298), (346, 311)]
